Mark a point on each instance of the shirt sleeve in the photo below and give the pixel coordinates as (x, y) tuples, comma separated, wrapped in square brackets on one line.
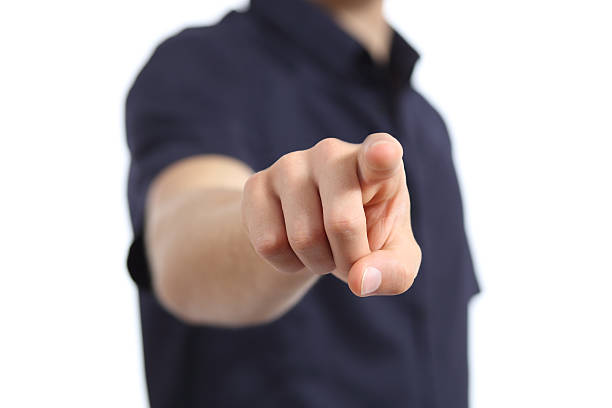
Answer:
[(181, 104)]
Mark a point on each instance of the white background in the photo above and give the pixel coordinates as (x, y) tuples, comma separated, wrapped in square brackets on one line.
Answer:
[(525, 86)]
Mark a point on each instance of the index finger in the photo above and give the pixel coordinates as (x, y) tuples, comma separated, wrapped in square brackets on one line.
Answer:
[(343, 213)]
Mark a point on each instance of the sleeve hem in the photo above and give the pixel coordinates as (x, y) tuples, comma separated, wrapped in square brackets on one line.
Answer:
[(137, 263)]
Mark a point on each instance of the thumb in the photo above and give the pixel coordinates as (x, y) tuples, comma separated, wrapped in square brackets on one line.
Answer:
[(379, 162), (385, 272)]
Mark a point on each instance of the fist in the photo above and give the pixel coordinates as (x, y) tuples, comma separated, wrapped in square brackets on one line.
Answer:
[(338, 208)]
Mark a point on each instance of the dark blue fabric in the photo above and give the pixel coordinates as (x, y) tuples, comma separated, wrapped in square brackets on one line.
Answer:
[(276, 78)]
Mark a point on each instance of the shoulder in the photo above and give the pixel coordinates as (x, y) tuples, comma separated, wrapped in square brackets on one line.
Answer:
[(199, 57), (221, 42)]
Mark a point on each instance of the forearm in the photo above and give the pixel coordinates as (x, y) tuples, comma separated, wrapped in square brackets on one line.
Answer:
[(204, 268)]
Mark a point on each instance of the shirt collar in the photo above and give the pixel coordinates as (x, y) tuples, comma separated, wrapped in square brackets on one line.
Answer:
[(313, 29)]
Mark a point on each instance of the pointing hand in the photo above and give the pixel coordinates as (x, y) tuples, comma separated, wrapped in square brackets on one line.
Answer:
[(338, 208)]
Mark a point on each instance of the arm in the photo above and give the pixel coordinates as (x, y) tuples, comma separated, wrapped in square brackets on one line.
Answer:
[(203, 268), (228, 247)]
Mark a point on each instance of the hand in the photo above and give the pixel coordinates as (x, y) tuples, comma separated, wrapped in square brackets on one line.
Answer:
[(337, 208)]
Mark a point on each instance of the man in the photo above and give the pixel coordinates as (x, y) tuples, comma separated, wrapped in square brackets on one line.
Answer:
[(268, 226)]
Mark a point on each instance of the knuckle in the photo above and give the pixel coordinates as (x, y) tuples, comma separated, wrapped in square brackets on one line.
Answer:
[(289, 160), (302, 242), (249, 197), (270, 245), (248, 184), (344, 225), (304, 239), (289, 168), (328, 146), (253, 182)]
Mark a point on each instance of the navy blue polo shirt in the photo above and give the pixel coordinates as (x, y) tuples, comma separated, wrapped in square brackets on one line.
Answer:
[(270, 80)]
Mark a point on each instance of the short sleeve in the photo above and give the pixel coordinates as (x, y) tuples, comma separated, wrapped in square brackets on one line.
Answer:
[(181, 104)]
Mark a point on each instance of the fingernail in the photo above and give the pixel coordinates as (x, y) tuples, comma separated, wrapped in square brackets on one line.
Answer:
[(370, 281), (378, 143)]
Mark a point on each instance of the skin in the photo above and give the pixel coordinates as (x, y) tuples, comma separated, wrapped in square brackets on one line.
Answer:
[(229, 247)]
